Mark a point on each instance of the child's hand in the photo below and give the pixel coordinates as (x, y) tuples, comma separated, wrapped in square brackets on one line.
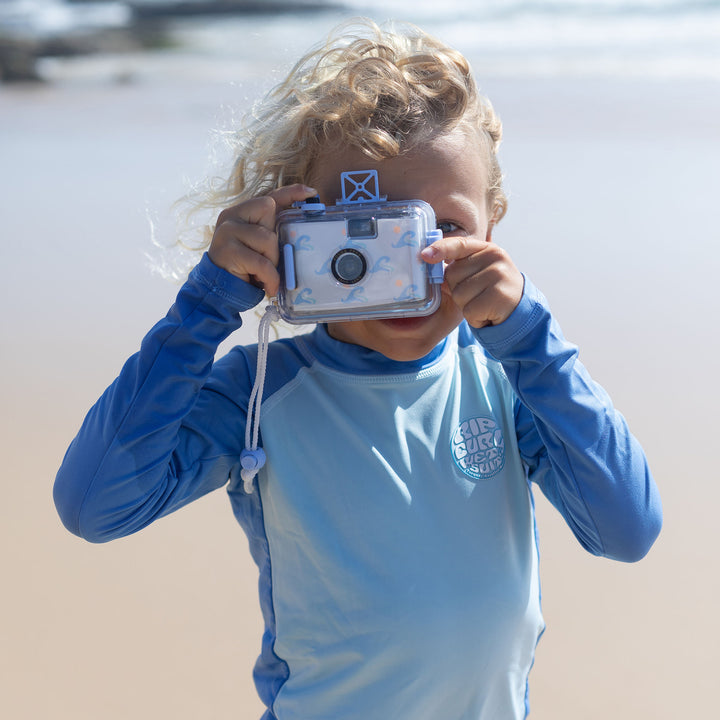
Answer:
[(481, 277), (245, 242)]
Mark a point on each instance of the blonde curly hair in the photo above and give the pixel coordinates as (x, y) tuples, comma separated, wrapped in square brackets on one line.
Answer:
[(382, 91)]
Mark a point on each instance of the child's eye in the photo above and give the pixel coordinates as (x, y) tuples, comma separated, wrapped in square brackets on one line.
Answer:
[(447, 227)]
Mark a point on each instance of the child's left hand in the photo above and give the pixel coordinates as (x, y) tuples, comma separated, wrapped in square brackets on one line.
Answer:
[(482, 278)]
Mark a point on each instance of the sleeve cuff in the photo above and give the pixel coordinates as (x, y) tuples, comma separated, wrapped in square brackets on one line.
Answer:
[(497, 339), (238, 293)]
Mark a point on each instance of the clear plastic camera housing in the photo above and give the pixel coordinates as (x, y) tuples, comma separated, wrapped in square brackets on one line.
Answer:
[(357, 261)]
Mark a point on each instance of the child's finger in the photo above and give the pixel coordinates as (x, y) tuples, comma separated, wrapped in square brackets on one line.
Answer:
[(256, 211), (245, 243), (285, 196), (249, 252), (262, 210), (454, 247), (256, 237), (486, 286), (487, 258), (260, 271)]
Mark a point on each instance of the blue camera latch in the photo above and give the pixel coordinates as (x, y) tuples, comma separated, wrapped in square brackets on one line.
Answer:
[(289, 267), (360, 186), (435, 271)]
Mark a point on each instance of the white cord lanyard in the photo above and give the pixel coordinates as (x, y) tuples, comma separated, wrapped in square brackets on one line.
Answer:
[(252, 458)]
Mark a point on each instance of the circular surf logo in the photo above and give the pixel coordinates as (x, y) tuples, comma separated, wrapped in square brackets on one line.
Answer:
[(478, 447)]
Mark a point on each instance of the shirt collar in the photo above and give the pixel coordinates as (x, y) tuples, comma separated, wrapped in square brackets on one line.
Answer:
[(360, 360)]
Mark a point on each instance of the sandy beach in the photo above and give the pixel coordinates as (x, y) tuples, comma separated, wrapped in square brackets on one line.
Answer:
[(613, 188)]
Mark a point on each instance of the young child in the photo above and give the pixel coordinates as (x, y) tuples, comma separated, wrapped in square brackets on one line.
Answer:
[(393, 523)]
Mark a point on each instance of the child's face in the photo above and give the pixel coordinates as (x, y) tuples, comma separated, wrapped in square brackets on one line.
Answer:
[(448, 172)]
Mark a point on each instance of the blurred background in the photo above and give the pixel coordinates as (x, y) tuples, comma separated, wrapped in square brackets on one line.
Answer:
[(110, 111)]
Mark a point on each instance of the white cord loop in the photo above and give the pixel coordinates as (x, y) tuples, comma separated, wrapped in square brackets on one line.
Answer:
[(252, 458)]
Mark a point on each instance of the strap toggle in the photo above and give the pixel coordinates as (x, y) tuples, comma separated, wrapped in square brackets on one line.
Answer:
[(252, 458)]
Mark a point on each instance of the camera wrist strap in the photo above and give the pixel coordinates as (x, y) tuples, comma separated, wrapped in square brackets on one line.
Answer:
[(252, 458)]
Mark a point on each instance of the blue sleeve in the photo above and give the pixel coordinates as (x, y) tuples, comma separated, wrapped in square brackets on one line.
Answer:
[(576, 446), (169, 429)]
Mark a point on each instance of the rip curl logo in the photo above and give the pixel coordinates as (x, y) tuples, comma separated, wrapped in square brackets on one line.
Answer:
[(478, 448)]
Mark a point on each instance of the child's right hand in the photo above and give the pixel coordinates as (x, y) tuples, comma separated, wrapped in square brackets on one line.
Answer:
[(245, 242)]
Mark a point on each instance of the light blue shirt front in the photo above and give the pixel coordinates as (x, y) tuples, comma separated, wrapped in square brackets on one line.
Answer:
[(402, 584)]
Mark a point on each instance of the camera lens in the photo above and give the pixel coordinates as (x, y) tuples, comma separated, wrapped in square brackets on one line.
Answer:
[(348, 266)]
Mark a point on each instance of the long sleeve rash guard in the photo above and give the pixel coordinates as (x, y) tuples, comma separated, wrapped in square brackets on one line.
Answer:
[(393, 523)]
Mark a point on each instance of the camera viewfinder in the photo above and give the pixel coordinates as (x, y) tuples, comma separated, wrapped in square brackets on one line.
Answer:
[(361, 228)]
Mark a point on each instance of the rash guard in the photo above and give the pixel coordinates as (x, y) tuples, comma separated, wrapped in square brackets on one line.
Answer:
[(393, 524)]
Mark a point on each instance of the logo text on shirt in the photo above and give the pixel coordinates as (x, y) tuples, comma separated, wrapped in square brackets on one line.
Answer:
[(478, 447)]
